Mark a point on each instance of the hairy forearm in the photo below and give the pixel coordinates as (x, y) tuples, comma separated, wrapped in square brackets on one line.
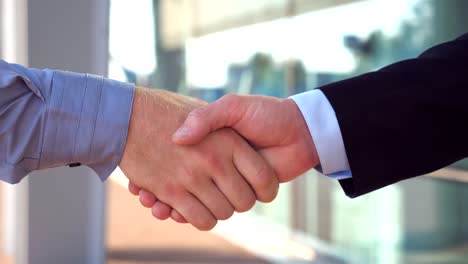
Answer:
[(158, 112)]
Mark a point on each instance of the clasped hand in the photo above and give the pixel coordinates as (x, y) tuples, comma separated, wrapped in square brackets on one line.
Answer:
[(190, 161)]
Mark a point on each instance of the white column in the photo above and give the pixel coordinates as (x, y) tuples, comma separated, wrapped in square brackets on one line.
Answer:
[(13, 45), (60, 212)]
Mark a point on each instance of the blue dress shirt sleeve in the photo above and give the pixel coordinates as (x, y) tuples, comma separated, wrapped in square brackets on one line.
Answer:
[(325, 130), (52, 118)]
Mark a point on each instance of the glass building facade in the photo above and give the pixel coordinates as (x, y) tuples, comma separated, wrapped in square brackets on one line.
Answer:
[(422, 220)]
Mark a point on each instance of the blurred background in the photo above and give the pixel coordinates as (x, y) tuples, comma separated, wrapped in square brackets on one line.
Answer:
[(208, 48)]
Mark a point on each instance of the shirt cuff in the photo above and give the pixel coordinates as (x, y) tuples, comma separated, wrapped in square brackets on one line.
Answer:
[(325, 130), (87, 122)]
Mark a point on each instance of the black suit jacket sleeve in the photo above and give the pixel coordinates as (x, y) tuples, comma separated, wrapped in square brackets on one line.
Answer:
[(405, 120)]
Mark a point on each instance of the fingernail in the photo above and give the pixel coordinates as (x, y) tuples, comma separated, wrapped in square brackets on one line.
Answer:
[(182, 132)]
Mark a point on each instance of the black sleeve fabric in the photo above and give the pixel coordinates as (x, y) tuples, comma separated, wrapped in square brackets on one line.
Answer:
[(404, 120)]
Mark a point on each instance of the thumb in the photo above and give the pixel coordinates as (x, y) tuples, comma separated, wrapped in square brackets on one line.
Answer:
[(206, 119)]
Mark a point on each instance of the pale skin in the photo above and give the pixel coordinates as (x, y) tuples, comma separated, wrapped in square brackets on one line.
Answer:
[(275, 127), (199, 183)]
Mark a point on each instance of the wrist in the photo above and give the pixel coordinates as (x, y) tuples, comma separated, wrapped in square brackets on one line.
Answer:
[(137, 123), (155, 112), (305, 146)]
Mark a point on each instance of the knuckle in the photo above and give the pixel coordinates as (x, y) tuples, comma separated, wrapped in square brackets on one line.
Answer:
[(190, 178), (232, 104), (218, 176), (213, 162), (197, 113), (229, 98), (172, 193)]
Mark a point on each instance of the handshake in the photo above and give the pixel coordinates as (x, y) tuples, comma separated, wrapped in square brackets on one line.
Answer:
[(199, 163)]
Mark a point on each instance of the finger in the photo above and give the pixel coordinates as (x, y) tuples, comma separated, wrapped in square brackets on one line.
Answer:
[(236, 189), (161, 210), (147, 199), (135, 190), (256, 171), (195, 212), (213, 199), (176, 216), (225, 112)]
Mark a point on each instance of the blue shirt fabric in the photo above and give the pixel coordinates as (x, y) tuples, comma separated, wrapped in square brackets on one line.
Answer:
[(53, 118), (326, 134)]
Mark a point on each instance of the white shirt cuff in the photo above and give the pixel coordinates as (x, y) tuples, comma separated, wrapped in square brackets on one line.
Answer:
[(325, 130)]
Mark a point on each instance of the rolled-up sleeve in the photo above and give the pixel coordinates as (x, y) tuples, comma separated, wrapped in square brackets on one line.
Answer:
[(53, 118)]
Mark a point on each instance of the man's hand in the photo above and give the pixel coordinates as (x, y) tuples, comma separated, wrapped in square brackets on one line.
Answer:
[(205, 181), (274, 126)]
